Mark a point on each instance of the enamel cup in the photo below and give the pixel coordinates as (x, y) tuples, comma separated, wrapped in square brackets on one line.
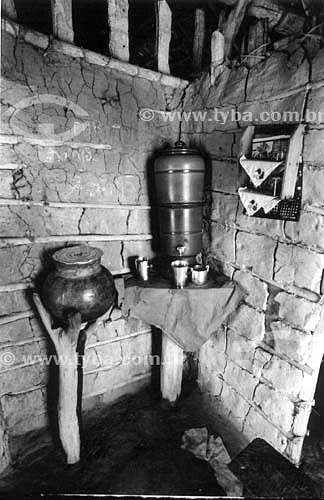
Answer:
[(142, 267), (199, 274)]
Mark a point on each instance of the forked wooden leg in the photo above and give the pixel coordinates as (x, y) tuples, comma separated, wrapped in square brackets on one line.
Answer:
[(65, 342), (171, 370), (69, 353)]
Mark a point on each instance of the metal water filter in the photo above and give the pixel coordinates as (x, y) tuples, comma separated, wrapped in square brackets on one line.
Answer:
[(179, 184)]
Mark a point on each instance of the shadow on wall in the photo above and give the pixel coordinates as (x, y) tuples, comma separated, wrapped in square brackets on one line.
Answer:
[(151, 189), (206, 239)]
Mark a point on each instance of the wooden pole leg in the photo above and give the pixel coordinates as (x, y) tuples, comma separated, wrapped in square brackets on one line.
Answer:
[(65, 342), (68, 391), (171, 370), (69, 344)]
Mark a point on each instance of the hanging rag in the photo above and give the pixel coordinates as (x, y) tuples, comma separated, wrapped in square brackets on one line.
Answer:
[(258, 170), (188, 316), (253, 201), (207, 447)]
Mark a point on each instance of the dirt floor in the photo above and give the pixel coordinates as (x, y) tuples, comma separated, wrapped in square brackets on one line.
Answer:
[(313, 462), (133, 447)]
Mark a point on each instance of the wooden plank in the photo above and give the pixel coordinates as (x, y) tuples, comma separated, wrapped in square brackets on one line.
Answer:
[(171, 370), (163, 35), (118, 26), (199, 39), (293, 159), (62, 20)]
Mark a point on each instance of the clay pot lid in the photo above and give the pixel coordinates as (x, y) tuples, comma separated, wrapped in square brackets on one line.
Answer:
[(80, 255), (181, 148)]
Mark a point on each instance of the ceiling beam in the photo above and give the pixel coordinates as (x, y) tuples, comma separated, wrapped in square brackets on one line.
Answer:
[(281, 18)]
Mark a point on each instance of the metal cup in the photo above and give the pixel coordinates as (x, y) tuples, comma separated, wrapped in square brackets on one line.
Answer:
[(142, 267), (199, 274), (180, 272)]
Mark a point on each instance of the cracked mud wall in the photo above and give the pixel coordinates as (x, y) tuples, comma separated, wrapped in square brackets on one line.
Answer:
[(260, 370), (90, 188)]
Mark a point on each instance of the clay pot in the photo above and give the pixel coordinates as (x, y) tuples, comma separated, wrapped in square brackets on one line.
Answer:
[(78, 283)]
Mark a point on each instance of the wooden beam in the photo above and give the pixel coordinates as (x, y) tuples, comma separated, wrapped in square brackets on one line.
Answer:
[(163, 35), (8, 9), (267, 9), (233, 24), (217, 55), (274, 11), (62, 20), (280, 18), (118, 26), (199, 39)]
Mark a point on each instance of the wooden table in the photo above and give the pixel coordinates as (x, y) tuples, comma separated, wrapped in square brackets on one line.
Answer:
[(187, 318)]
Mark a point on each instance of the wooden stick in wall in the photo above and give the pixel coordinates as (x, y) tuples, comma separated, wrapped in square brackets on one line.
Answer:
[(12, 241), (163, 35), (67, 204), (11, 318), (118, 29), (62, 20), (199, 38), (304, 368)]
